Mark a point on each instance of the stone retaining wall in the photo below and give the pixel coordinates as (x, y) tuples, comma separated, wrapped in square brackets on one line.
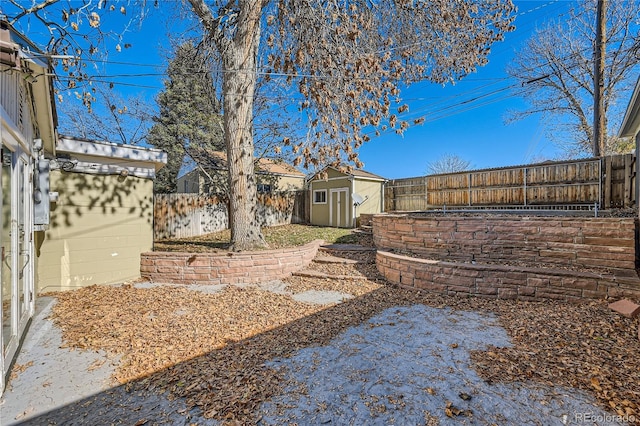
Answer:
[(226, 267), (502, 281), (528, 258), (607, 243)]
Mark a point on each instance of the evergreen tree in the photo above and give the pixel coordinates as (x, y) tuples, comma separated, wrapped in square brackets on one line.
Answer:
[(189, 115)]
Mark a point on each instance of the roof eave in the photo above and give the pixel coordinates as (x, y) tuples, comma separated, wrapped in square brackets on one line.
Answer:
[(146, 158), (631, 123)]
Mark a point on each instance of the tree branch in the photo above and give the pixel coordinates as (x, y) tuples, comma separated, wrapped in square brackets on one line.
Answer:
[(31, 10)]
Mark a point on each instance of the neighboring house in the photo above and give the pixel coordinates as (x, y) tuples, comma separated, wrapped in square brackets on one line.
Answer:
[(73, 212), (630, 128), (338, 199), (210, 175)]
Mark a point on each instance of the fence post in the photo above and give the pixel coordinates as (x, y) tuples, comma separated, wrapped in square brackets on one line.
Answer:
[(426, 192), (469, 179), (627, 180), (600, 182), (525, 187), (607, 182)]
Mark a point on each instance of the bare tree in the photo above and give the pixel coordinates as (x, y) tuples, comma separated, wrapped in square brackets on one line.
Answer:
[(448, 163), (111, 117), (72, 31), (346, 60), (556, 66)]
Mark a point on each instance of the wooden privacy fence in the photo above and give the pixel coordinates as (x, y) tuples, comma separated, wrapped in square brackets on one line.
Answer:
[(608, 182), (190, 215)]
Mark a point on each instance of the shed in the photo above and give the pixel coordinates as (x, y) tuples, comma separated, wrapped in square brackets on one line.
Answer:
[(338, 198)]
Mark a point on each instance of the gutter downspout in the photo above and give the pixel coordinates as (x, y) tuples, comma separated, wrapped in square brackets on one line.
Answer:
[(384, 185)]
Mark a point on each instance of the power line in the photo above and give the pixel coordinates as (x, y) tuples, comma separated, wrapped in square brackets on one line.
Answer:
[(272, 74), (453, 108)]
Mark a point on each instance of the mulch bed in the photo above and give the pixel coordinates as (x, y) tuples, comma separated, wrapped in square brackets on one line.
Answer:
[(212, 349)]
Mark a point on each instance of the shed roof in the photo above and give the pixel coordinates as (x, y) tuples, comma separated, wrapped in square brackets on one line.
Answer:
[(358, 173)]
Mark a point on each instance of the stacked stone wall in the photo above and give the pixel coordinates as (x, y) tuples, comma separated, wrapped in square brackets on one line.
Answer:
[(226, 267), (527, 258)]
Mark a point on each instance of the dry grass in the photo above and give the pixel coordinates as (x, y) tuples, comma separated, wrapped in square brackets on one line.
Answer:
[(283, 236)]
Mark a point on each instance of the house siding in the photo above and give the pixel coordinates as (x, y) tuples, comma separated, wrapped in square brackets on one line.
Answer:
[(284, 183), (372, 191), (99, 227), (189, 183)]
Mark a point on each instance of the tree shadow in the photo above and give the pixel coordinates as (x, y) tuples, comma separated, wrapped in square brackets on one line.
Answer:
[(228, 384), (82, 194)]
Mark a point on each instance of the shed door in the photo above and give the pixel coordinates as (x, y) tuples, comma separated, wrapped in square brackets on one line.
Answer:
[(339, 207)]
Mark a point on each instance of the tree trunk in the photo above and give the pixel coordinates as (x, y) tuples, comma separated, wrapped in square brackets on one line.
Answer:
[(239, 82), (599, 129)]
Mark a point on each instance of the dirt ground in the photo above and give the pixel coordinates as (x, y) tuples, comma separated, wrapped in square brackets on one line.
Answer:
[(234, 355)]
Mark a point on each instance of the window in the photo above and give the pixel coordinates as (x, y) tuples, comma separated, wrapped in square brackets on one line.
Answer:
[(320, 196), (264, 188)]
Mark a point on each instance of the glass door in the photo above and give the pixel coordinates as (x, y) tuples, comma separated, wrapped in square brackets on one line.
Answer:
[(8, 328), (16, 240), (24, 235)]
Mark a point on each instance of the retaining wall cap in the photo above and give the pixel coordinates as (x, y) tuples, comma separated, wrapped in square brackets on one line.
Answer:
[(310, 245)]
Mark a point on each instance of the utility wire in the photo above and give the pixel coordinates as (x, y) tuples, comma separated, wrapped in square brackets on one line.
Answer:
[(425, 109), (272, 74)]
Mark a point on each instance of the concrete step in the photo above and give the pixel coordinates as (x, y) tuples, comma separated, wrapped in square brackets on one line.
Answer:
[(363, 231), (345, 247), (308, 273), (626, 308), (335, 260)]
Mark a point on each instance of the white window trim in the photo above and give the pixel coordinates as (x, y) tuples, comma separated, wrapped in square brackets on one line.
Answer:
[(314, 196)]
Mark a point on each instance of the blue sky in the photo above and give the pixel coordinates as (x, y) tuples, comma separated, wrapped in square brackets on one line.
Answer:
[(475, 131)]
